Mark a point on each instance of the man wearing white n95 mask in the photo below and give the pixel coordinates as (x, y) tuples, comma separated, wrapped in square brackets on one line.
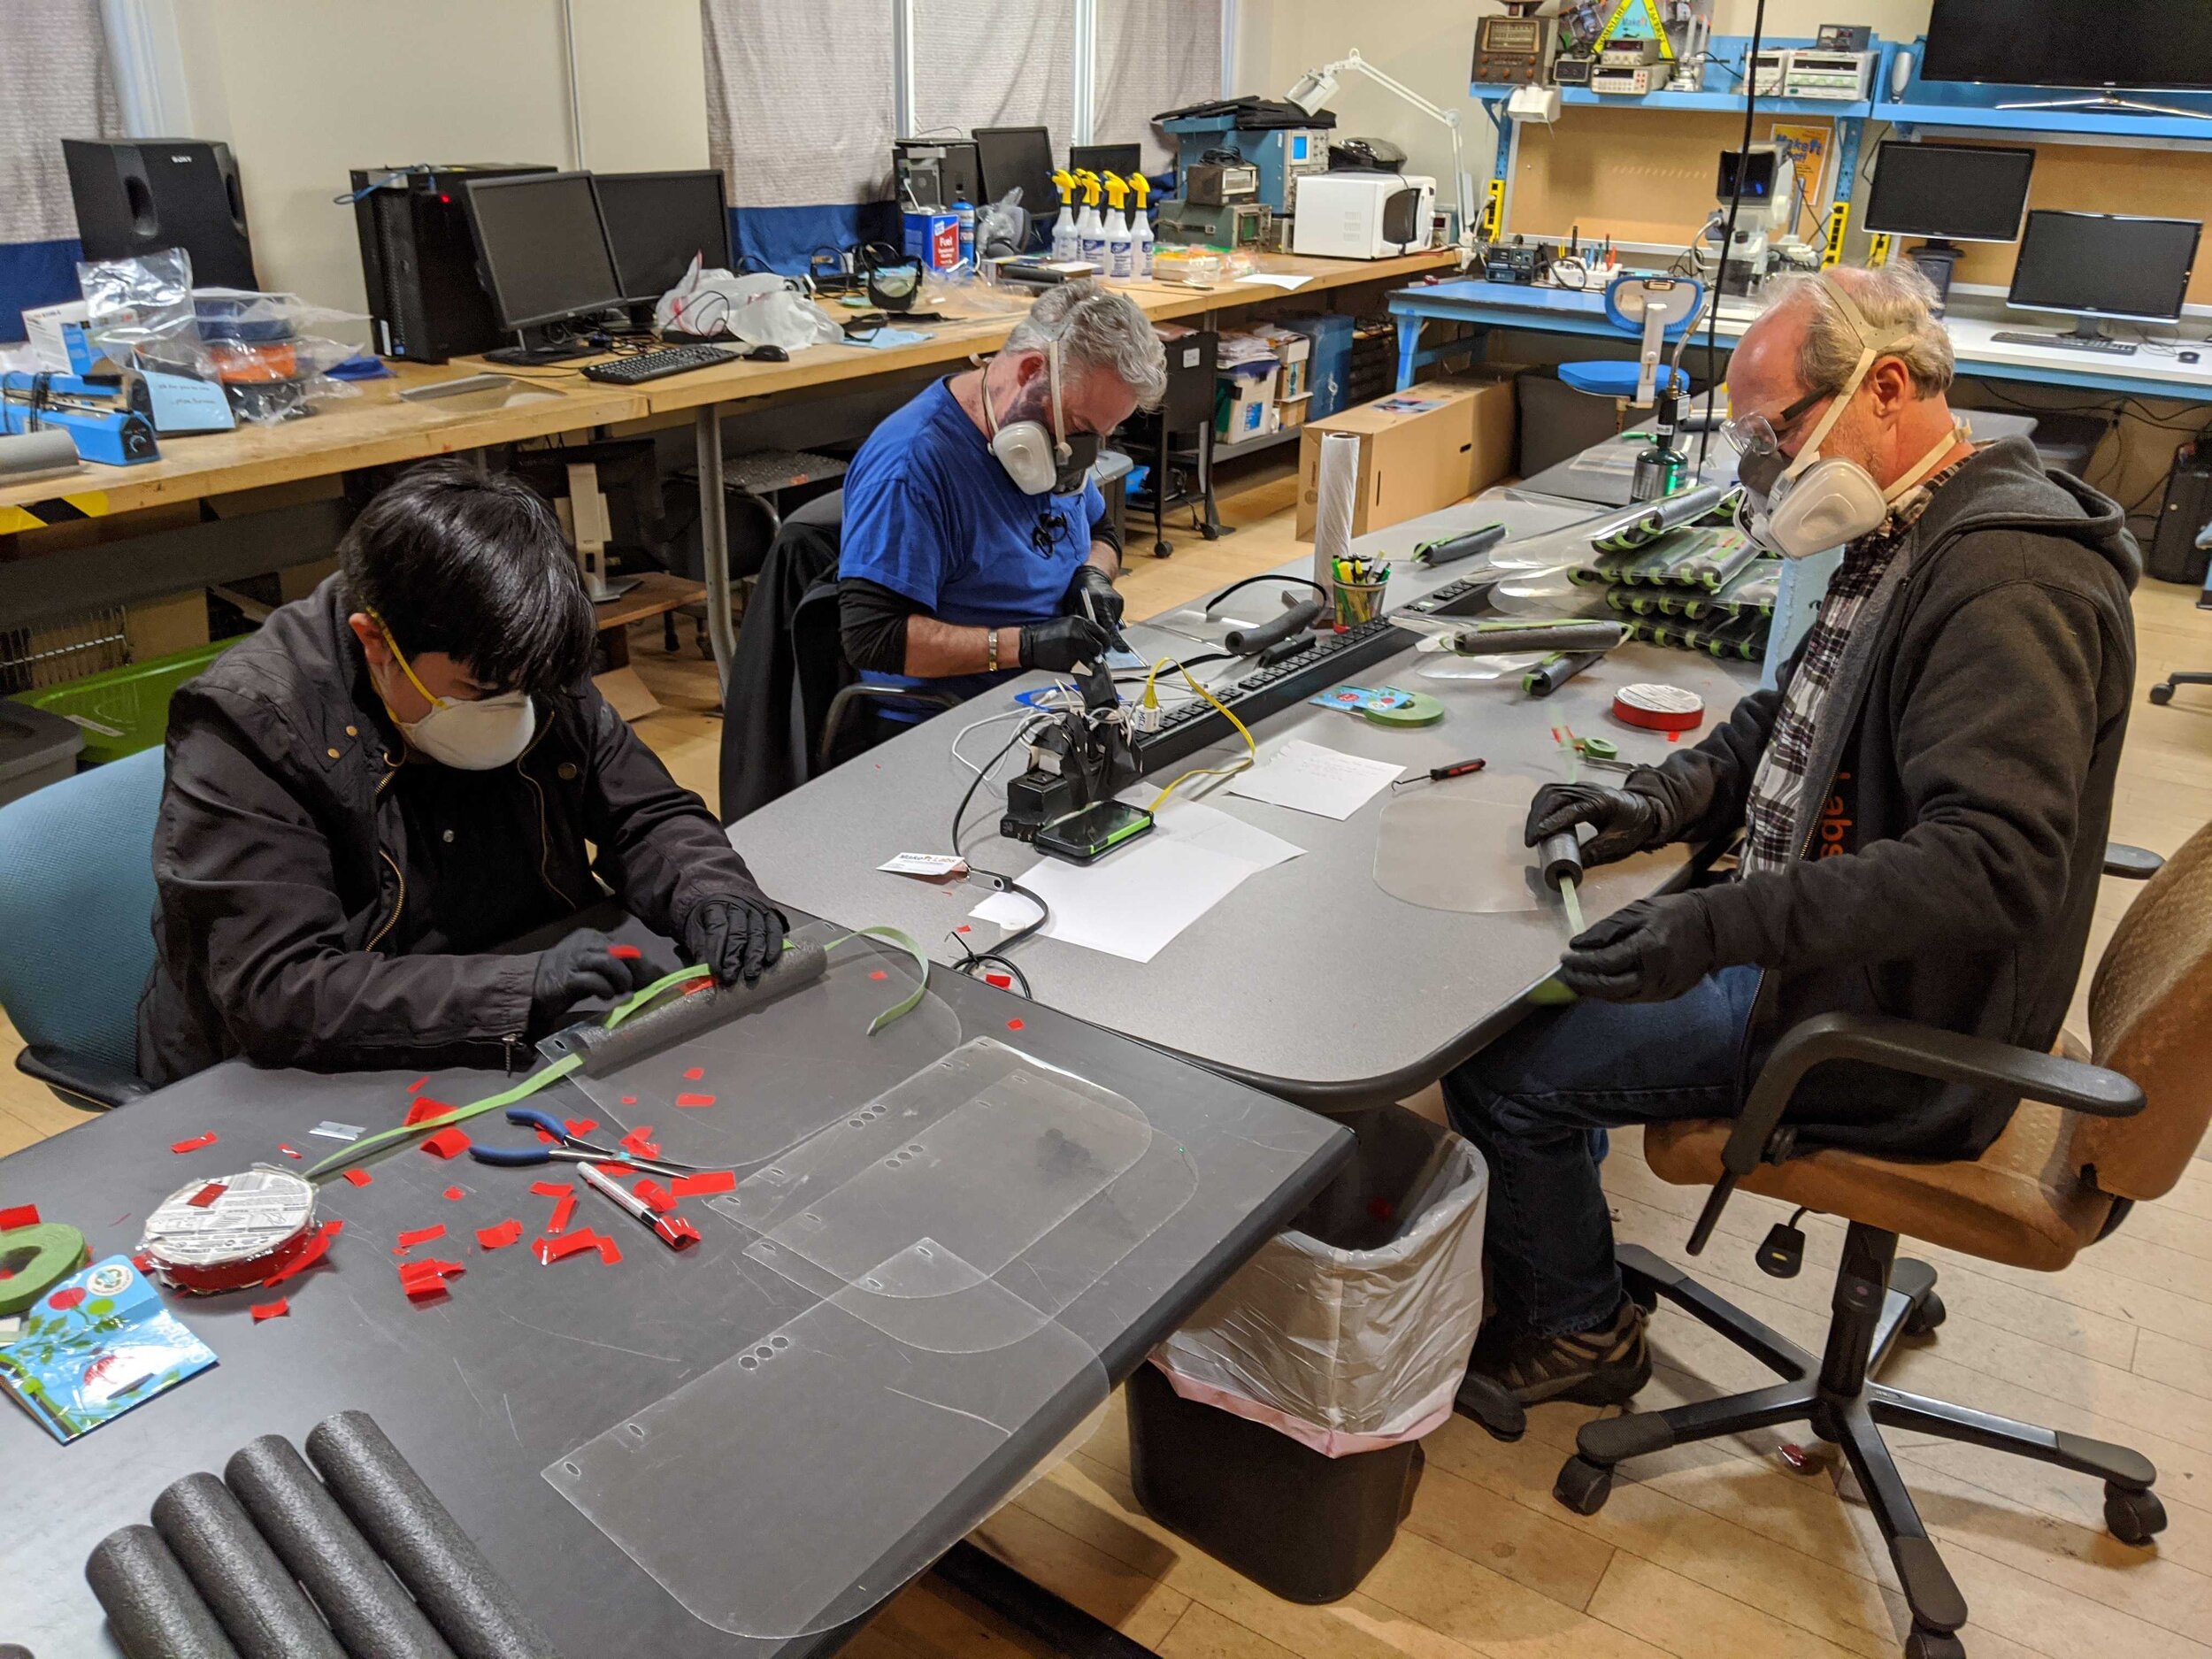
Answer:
[(398, 775), (1924, 802)]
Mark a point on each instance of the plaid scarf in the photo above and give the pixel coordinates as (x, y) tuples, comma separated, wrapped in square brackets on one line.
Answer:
[(1778, 788)]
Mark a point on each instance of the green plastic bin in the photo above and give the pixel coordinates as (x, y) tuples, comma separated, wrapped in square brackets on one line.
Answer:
[(125, 710)]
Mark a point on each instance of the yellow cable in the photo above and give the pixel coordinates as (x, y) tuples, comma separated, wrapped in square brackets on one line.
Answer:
[(1251, 748)]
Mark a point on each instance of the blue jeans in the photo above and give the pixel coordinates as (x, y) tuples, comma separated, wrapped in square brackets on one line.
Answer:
[(1531, 1102)]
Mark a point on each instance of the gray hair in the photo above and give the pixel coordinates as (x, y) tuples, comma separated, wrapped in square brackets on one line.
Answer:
[(1889, 297), (1097, 328)]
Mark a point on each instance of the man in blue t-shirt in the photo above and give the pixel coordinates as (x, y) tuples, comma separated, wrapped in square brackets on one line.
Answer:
[(975, 543)]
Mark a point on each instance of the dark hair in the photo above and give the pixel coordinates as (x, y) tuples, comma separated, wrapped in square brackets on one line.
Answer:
[(473, 564)]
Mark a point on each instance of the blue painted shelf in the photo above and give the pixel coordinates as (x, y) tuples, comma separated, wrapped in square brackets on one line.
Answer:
[(1728, 53)]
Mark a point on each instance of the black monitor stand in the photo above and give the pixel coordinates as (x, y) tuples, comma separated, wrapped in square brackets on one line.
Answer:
[(1936, 260), (2086, 327), (536, 347)]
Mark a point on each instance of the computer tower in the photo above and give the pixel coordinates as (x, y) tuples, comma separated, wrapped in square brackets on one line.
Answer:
[(138, 197), (929, 172), (426, 302), (2174, 555)]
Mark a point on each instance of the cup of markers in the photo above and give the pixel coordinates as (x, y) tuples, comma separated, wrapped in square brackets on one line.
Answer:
[(1359, 586)]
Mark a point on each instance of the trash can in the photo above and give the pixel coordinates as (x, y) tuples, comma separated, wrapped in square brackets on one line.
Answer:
[(1279, 1430)]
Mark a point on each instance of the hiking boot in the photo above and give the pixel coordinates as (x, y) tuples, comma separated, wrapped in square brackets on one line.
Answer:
[(1604, 1367)]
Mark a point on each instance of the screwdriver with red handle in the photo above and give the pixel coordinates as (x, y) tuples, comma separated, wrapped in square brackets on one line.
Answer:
[(1437, 774)]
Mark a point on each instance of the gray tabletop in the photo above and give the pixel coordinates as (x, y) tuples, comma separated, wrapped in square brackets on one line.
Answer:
[(1308, 979), (526, 1363)]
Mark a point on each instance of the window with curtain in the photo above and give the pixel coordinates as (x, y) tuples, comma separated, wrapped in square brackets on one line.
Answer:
[(58, 86), (996, 63), (800, 120), (1153, 55)]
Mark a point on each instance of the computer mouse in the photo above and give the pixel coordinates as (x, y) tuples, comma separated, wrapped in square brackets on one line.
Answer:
[(768, 353), (2189, 356)]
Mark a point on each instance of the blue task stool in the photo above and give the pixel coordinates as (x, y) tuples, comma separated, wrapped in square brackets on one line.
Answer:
[(1657, 311), (76, 909)]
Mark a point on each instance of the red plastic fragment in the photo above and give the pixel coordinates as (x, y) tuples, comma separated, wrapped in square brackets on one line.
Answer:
[(581, 1126), (616, 1169), (694, 1074), (313, 1250), (413, 1236), (563, 1212), (456, 1194), (359, 1177), (423, 1110), (447, 1143), (550, 1250), (275, 1309), (657, 1197), (552, 1189), (640, 1141), (288, 1151), (416, 1087), (678, 1225), (1004, 981), (19, 1216), (629, 1100), (424, 1280), (208, 1194), (1013, 1024), (332, 1228), (877, 973), (196, 1143), (695, 1099), (610, 1252), (624, 953), (548, 1136), (499, 1237), (710, 1181)]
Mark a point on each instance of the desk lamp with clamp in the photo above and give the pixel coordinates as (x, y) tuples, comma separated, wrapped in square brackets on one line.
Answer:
[(1315, 87)]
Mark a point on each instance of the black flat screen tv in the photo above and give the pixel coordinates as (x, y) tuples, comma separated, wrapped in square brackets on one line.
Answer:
[(2117, 43)]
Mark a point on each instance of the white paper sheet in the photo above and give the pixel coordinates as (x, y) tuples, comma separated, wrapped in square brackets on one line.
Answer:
[(1311, 778), (1274, 279), (1133, 901)]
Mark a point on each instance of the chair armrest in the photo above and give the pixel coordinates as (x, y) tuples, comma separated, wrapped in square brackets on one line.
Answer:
[(2130, 863), (79, 1080), (1899, 1045)]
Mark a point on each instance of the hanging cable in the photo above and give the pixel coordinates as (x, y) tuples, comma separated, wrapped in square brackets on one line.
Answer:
[(1728, 237)]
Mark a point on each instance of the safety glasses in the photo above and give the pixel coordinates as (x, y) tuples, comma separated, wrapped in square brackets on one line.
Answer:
[(1758, 435)]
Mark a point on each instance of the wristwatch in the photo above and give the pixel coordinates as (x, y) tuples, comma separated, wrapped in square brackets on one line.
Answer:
[(991, 660)]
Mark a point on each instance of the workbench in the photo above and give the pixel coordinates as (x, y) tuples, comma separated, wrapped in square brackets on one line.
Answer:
[(1308, 980), (488, 1391)]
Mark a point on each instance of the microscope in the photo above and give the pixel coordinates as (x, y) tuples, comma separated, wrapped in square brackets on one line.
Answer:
[(1766, 221)]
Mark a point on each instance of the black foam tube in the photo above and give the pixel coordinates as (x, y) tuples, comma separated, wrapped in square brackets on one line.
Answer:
[(152, 1605), (1561, 856), (469, 1602), (603, 1050), (1491, 638), (374, 1618), (254, 1597), (1297, 620), (1466, 544)]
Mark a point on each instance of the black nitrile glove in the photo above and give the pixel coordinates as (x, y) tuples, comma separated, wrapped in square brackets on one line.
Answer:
[(1060, 644), (737, 936), (581, 967), (1626, 821), (1093, 595), (1650, 951)]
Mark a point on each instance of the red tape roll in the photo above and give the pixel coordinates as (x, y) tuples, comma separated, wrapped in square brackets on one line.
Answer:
[(1657, 708)]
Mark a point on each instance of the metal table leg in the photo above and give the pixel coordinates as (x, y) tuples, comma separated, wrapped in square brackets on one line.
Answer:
[(714, 538)]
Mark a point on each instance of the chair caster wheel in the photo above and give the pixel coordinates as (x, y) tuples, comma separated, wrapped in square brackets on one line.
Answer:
[(1162, 549), (1212, 532), (2161, 695), (1933, 1644), (2134, 1517), (1583, 1485), (1924, 1318)]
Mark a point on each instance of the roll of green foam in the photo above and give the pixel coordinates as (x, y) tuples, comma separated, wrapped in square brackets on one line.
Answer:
[(1419, 708), (36, 1258)]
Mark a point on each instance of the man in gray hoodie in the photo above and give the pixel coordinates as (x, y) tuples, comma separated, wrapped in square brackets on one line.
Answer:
[(1923, 798)]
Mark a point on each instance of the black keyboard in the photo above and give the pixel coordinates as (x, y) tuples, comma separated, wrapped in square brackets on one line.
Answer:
[(1190, 726), (2066, 342), (658, 365), (1469, 597)]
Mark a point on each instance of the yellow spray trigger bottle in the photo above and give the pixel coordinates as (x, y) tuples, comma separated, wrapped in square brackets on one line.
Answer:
[(1119, 254), (1141, 230), (1090, 229), (1064, 243)]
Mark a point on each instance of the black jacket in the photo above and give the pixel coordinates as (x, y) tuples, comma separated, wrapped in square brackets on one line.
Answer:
[(326, 899), (1960, 792)]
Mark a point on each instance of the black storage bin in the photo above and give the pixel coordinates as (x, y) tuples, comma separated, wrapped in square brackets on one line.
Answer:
[(1554, 421), (1303, 1526)]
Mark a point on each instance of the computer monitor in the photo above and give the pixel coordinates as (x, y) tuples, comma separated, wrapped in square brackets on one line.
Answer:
[(542, 246), (1950, 192), (1010, 156), (1122, 159), (2104, 264), (659, 222)]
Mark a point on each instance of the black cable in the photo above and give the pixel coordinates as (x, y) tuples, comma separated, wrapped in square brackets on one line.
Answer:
[(1021, 733), (1248, 581), (1728, 236)]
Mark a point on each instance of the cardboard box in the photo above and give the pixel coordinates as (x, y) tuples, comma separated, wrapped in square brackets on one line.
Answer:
[(1420, 450), (1249, 411)]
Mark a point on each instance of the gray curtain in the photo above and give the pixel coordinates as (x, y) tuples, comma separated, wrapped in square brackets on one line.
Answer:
[(54, 84), (1153, 55), (799, 99), (996, 63)]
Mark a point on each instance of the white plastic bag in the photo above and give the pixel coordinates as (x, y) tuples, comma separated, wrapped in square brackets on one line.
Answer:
[(760, 308), (1351, 1347)]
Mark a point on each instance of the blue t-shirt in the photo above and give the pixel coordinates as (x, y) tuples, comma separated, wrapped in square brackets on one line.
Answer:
[(930, 515)]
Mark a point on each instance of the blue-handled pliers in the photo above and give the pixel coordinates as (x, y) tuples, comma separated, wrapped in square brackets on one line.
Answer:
[(566, 1148)]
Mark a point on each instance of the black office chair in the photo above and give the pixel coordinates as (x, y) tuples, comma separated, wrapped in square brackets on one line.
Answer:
[(793, 707), (1177, 440)]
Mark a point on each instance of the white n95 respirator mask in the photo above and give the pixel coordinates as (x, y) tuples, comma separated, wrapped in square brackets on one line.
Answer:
[(476, 736), (1039, 462)]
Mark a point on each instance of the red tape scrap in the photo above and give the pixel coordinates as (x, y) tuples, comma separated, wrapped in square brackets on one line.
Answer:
[(640, 1141), (359, 1177), (694, 1074), (552, 1189), (563, 1212), (455, 1195), (196, 1143), (447, 1143), (425, 1279), (610, 1252), (550, 1250), (409, 1239), (275, 1309), (288, 1151), (316, 1247), (416, 1087), (580, 1127), (208, 1194), (657, 1197), (499, 1237), (21, 1215), (696, 1186), (694, 1100), (423, 1110)]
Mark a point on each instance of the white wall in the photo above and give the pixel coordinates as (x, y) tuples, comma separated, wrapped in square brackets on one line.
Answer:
[(1430, 46), (305, 90)]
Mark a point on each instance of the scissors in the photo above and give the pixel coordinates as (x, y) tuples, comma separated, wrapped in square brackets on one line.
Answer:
[(566, 1148)]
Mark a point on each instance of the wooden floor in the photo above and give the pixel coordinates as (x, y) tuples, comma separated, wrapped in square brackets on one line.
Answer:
[(1714, 1552)]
